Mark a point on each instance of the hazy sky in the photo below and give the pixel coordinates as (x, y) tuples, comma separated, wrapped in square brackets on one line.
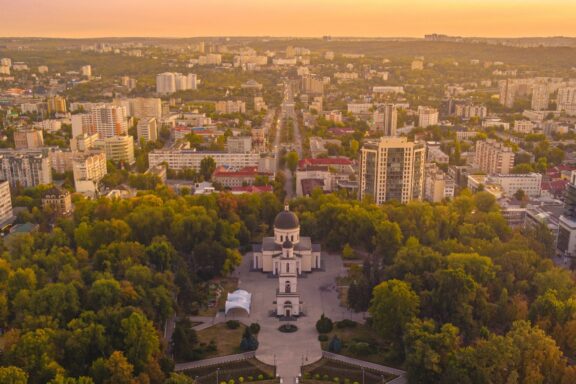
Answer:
[(93, 18)]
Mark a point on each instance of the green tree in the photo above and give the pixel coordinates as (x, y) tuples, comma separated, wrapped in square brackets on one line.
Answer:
[(207, 167), (429, 349), (140, 339), (13, 375), (394, 304), (292, 160)]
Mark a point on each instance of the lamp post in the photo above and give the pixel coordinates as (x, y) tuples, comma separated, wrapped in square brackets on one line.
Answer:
[(274, 365), (363, 376), (217, 375)]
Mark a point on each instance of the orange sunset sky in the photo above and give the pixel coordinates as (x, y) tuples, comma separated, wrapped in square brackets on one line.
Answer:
[(370, 18)]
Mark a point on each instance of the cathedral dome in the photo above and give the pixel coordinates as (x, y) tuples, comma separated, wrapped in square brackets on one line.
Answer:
[(286, 220)]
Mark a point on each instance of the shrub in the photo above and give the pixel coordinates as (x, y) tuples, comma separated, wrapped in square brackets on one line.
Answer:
[(260, 377), (317, 376), (250, 378), (240, 379), (324, 325), (336, 379), (346, 381), (255, 328), (223, 382), (346, 323), (306, 375), (232, 324), (325, 377), (360, 349), (335, 345), (248, 342), (322, 337), (231, 381)]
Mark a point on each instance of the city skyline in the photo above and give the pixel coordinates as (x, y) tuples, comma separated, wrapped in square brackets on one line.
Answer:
[(297, 18)]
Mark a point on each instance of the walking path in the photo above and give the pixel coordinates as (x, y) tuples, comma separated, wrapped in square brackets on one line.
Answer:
[(214, 361), (368, 365)]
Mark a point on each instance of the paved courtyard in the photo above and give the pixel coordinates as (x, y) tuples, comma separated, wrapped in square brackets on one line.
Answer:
[(319, 295)]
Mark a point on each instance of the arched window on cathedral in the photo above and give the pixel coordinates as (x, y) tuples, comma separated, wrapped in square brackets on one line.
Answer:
[(287, 287), (287, 267)]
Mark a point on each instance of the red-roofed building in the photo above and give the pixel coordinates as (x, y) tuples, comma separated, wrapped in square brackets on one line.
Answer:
[(237, 178)]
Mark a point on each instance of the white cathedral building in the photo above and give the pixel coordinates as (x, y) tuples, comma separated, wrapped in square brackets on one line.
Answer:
[(287, 255)]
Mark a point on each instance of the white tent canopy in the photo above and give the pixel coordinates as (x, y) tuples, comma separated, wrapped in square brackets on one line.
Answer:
[(238, 299)]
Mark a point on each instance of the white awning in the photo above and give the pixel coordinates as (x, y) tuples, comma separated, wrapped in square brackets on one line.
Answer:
[(238, 299)]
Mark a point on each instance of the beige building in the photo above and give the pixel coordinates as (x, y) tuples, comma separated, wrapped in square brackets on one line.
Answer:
[(56, 104), (392, 169), (60, 160), (188, 158), (28, 139), (120, 149), (88, 169), (239, 144), (540, 97), (493, 157), (427, 116), (83, 142), (385, 119), (58, 200), (437, 184), (230, 106), (312, 84), (147, 129), (5, 202)]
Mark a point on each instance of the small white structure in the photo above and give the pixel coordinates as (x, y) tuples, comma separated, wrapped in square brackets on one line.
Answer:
[(238, 299)]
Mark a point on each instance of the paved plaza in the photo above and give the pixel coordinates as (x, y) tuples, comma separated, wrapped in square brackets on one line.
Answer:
[(288, 351)]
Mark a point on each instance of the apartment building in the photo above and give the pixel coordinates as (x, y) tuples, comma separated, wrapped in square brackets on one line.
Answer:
[(392, 169), (179, 159), (492, 156), (25, 167), (28, 139), (147, 129)]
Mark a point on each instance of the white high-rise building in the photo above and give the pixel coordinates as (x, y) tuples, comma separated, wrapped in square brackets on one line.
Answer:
[(493, 157), (427, 116), (540, 97), (141, 107), (120, 149), (5, 202), (25, 167), (109, 121), (169, 82), (147, 129), (392, 168), (86, 70), (566, 100), (88, 169), (165, 83), (385, 119)]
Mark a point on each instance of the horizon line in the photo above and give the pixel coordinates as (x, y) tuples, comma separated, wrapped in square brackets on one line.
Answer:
[(287, 37)]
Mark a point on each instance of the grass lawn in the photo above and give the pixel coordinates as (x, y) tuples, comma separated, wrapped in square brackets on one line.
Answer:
[(218, 293), (227, 340), (365, 334)]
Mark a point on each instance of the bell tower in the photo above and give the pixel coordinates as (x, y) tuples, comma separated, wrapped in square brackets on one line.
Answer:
[(287, 296)]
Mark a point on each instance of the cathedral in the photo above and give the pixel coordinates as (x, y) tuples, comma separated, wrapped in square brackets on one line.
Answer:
[(287, 255)]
